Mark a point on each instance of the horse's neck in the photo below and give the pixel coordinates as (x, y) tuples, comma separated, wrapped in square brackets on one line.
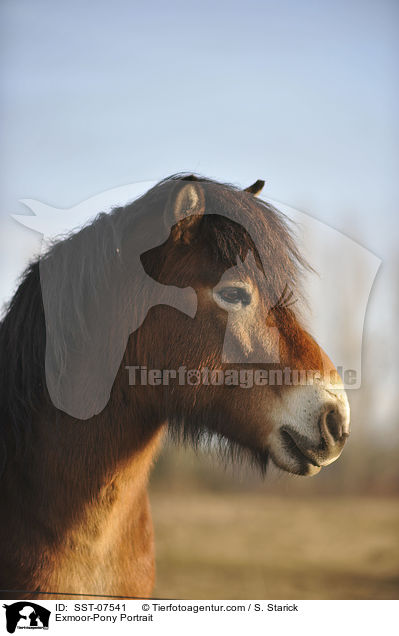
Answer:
[(82, 505), (110, 551)]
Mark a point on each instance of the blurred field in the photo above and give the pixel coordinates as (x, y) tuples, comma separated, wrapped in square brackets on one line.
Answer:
[(233, 546)]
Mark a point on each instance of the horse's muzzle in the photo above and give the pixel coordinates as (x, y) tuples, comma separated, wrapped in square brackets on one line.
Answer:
[(316, 436)]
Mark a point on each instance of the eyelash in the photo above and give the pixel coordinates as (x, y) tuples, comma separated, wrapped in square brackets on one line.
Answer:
[(286, 299)]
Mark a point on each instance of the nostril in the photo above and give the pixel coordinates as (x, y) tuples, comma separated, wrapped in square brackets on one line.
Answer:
[(331, 425), (334, 424)]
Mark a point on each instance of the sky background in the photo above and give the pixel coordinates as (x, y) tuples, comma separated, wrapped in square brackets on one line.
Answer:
[(301, 93)]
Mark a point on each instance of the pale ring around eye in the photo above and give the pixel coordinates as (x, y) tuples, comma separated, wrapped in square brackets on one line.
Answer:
[(234, 295)]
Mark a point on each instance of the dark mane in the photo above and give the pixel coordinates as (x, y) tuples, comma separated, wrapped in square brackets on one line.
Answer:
[(81, 272)]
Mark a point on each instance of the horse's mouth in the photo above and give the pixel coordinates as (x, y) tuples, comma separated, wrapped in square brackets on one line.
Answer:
[(296, 459)]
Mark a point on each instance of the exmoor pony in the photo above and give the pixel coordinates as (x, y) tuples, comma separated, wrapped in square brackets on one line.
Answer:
[(142, 322)]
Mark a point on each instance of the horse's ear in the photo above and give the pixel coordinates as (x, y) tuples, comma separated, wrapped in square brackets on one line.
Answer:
[(188, 208), (256, 187)]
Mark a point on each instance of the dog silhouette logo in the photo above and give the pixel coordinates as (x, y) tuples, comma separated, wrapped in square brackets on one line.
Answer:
[(26, 615)]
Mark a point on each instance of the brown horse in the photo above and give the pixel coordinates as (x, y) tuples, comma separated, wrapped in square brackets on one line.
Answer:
[(102, 351)]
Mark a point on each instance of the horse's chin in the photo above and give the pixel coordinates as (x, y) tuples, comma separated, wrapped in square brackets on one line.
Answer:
[(304, 468), (294, 461)]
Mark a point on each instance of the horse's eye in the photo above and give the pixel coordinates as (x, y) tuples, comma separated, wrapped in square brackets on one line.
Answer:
[(235, 295)]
